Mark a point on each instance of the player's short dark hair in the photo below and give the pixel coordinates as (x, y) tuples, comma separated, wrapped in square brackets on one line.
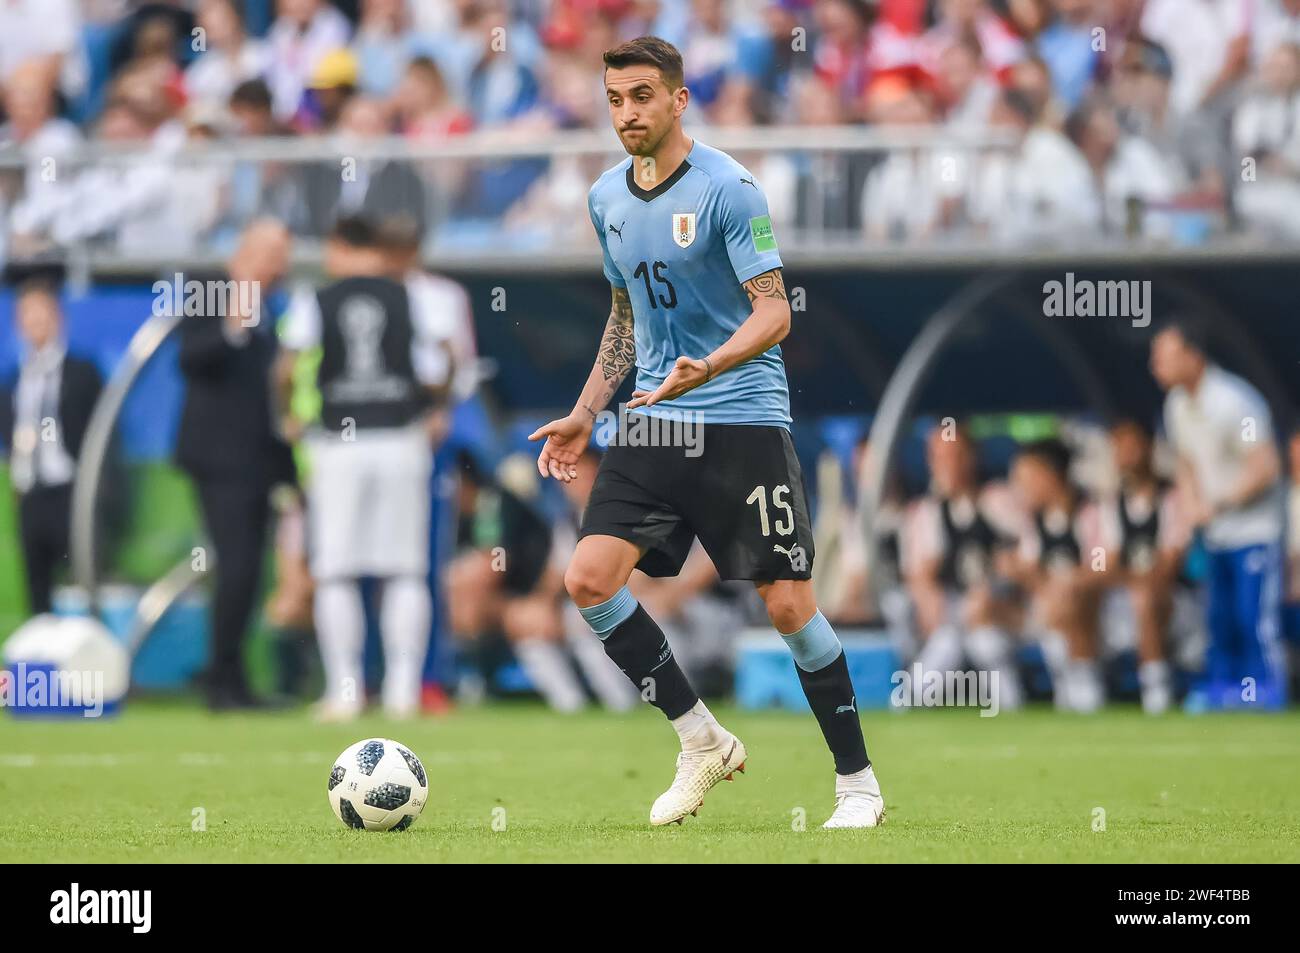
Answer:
[(252, 94), (357, 231), (1052, 453), (649, 51), (1192, 328)]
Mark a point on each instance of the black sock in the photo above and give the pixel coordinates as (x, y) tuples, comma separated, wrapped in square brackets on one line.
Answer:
[(830, 693), (638, 647)]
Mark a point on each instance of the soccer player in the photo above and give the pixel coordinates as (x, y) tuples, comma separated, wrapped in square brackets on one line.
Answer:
[(1146, 536), (381, 372), (954, 534), (699, 308), (1230, 478), (1056, 562)]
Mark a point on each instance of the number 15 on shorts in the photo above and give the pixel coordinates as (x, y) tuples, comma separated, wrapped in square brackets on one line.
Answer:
[(784, 526)]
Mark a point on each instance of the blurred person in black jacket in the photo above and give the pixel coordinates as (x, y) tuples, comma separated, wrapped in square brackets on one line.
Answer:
[(229, 445), (376, 189), (44, 414)]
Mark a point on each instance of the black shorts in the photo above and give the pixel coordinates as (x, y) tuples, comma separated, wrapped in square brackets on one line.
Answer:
[(742, 495)]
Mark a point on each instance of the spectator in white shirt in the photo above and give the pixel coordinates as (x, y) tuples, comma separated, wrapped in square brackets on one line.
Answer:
[(32, 127), (137, 202), (906, 197), (1209, 43), (966, 89), (47, 31), (1044, 191), (229, 56), (1033, 77), (1266, 137), (1130, 174), (1141, 87), (302, 34)]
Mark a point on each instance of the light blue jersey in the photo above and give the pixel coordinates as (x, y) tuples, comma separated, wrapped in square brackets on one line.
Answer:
[(682, 250)]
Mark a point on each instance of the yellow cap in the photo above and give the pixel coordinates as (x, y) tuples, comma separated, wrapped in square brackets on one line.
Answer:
[(336, 68)]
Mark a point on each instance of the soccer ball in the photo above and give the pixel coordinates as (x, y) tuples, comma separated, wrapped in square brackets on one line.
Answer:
[(378, 785)]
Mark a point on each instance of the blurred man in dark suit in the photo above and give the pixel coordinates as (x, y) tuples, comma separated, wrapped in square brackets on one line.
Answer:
[(231, 448), (45, 413)]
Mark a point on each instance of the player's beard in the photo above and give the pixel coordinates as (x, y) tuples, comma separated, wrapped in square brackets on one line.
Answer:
[(648, 144)]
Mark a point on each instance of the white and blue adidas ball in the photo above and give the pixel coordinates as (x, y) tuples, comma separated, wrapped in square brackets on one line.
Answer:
[(378, 785)]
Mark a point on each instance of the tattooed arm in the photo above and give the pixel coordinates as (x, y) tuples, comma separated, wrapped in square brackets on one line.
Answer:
[(567, 437), (616, 357), (767, 325)]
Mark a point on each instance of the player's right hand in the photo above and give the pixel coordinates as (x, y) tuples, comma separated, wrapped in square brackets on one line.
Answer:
[(566, 438)]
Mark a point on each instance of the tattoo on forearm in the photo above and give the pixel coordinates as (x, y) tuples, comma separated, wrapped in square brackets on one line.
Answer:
[(618, 346), (769, 284)]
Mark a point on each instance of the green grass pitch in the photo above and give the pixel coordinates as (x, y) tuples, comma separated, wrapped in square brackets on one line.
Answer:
[(1019, 787)]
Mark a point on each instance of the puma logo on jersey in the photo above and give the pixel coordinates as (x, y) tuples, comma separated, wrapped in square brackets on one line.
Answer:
[(851, 706), (798, 561), (749, 182), (618, 231)]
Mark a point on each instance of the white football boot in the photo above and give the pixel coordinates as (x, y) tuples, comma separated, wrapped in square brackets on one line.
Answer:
[(698, 770), (858, 802)]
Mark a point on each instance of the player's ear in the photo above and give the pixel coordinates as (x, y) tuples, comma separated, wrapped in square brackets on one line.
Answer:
[(680, 100)]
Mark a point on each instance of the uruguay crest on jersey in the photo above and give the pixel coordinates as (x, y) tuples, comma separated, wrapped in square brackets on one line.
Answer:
[(684, 228)]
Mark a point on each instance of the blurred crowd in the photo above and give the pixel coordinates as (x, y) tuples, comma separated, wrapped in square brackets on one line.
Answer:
[(1170, 119)]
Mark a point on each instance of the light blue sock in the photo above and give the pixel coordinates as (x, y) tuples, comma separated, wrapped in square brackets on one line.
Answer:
[(815, 645), (611, 613)]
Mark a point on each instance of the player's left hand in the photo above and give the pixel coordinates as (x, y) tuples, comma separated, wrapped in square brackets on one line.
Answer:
[(686, 375)]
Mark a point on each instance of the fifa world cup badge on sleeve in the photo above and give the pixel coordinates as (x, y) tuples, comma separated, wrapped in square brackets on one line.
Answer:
[(760, 230)]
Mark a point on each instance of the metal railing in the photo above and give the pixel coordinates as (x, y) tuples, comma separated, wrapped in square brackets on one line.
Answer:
[(494, 199)]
